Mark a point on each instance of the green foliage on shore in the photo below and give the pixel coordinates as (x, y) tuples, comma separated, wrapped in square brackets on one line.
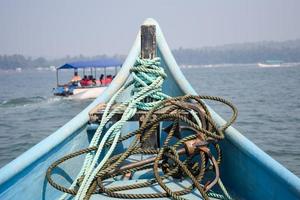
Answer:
[(11, 62), (15, 61), (287, 51)]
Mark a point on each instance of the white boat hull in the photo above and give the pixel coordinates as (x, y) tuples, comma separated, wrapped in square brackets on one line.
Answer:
[(87, 93), (268, 65)]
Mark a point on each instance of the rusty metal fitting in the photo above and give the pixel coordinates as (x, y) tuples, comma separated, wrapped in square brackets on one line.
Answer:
[(191, 146)]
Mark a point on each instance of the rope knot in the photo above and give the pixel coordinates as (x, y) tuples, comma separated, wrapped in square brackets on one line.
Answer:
[(148, 78)]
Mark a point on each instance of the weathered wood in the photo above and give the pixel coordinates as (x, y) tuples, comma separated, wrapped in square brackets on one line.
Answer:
[(148, 41), (97, 113), (148, 51)]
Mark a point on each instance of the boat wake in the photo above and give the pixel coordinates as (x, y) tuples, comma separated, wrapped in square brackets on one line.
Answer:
[(26, 101)]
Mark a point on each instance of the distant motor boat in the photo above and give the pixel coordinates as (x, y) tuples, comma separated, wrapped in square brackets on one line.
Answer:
[(271, 63), (19, 69), (52, 68), (88, 87)]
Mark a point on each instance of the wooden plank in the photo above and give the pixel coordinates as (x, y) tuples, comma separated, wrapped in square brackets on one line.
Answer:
[(148, 51), (148, 41), (97, 113)]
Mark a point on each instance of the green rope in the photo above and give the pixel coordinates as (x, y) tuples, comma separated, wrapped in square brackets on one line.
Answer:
[(144, 73), (147, 82)]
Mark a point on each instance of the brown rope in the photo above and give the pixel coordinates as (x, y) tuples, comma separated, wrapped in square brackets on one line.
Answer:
[(185, 164)]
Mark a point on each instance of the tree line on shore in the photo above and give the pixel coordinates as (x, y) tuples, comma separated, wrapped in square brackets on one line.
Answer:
[(287, 51), (20, 61)]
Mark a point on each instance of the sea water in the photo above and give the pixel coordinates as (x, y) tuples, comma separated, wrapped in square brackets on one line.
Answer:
[(268, 100)]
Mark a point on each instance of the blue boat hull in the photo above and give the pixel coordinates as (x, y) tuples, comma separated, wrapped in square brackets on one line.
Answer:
[(246, 170), (63, 91)]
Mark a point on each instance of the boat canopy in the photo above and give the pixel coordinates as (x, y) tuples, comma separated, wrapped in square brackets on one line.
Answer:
[(109, 62)]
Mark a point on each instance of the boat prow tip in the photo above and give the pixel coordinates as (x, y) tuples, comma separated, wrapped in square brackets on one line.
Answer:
[(150, 21)]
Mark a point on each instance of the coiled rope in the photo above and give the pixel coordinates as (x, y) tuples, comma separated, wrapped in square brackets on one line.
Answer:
[(147, 81)]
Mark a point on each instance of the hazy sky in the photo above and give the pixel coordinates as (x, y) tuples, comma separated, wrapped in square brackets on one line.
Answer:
[(57, 28)]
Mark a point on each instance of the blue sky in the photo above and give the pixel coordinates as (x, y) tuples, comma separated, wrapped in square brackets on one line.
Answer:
[(71, 27)]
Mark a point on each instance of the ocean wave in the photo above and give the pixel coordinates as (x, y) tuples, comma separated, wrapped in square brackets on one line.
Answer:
[(24, 101)]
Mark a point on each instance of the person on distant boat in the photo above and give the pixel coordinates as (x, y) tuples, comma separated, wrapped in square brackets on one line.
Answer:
[(94, 81), (101, 79), (84, 81), (107, 80), (90, 80), (76, 78)]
